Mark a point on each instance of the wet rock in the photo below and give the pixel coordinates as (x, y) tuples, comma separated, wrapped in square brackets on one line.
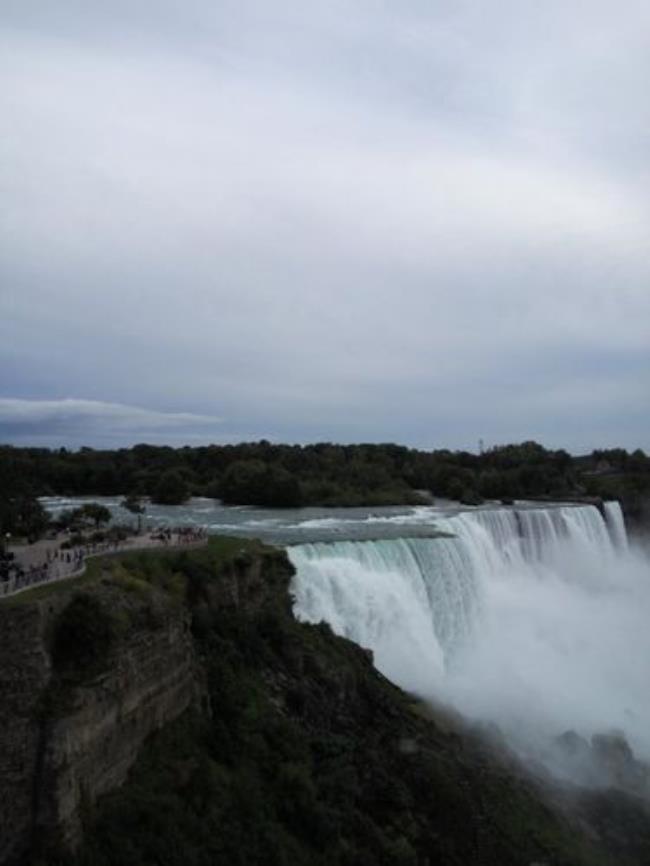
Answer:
[(572, 744), (615, 759)]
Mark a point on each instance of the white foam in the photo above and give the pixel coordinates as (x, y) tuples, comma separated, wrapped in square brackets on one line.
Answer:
[(534, 618)]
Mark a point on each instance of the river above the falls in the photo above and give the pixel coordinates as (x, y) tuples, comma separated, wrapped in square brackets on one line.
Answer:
[(291, 525)]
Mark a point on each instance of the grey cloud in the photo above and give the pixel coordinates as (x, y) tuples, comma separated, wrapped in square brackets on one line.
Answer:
[(331, 220), (73, 421)]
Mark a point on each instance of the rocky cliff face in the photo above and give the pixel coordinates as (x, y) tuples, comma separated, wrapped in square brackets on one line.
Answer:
[(309, 756), (301, 752), (24, 674), (68, 736)]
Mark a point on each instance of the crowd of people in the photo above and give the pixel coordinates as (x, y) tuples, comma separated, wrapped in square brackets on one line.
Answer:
[(17, 575), (179, 535), (58, 564), (20, 570)]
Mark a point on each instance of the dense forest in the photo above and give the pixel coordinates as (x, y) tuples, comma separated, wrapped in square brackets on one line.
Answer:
[(266, 474)]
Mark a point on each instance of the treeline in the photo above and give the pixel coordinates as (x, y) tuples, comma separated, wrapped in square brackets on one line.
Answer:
[(619, 474), (266, 474)]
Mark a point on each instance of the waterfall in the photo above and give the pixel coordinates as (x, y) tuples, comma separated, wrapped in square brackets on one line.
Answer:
[(532, 617), (616, 524), (410, 600), (418, 598)]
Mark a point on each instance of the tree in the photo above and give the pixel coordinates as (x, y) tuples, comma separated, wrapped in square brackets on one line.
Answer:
[(171, 489), (20, 511), (253, 482), (92, 512), (23, 515), (283, 489), (243, 482), (133, 504)]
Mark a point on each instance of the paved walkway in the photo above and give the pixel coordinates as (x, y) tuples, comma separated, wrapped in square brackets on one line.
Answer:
[(45, 561)]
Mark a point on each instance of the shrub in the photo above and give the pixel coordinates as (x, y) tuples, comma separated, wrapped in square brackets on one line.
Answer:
[(76, 540), (84, 635)]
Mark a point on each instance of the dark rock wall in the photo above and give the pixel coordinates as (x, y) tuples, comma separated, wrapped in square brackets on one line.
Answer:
[(58, 754), (24, 674)]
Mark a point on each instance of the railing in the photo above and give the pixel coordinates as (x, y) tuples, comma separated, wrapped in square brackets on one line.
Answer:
[(19, 582), (60, 569)]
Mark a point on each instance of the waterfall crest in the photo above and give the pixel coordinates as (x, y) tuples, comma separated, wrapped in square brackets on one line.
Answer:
[(426, 592), (527, 613)]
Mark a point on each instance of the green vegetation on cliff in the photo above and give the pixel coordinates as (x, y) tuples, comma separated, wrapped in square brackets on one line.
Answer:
[(300, 752)]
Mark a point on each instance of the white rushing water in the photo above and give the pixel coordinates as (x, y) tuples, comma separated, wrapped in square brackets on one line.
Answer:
[(536, 619), (616, 524)]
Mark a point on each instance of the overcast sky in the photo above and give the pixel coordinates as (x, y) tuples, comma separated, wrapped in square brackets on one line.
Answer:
[(423, 221)]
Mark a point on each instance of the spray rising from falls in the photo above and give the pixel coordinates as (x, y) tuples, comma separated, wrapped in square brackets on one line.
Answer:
[(535, 618)]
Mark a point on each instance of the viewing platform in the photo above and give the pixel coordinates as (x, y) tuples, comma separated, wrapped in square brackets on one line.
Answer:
[(46, 562)]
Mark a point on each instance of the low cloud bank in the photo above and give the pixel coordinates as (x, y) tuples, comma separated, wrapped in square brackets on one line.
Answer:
[(76, 422)]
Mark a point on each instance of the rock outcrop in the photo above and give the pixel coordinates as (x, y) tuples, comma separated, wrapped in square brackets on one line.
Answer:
[(66, 736), (607, 761), (24, 674)]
